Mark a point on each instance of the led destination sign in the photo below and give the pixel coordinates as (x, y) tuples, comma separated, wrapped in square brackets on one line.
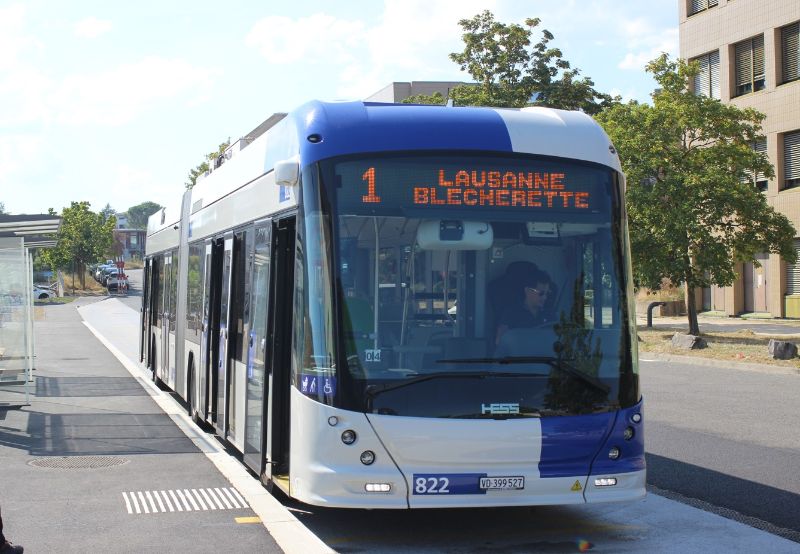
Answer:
[(501, 188), (515, 184)]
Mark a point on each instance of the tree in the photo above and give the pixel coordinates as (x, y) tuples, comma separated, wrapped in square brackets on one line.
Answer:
[(2, 208), (138, 214), (694, 209), (511, 71), (204, 166), (108, 211), (436, 99), (84, 237)]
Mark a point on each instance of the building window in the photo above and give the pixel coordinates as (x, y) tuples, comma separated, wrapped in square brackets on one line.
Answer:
[(758, 179), (791, 159), (134, 240), (793, 272), (749, 65), (790, 52), (696, 6), (706, 82)]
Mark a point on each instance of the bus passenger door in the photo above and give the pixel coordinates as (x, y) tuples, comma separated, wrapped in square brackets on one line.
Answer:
[(280, 321), (257, 388), (203, 369), (238, 335), (221, 362), (209, 343), (144, 312), (155, 308), (165, 349), (172, 320)]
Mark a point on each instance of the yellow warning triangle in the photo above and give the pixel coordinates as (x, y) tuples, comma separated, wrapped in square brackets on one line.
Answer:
[(576, 487)]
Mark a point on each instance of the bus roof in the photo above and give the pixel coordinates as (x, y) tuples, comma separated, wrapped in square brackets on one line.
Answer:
[(362, 127), (319, 130)]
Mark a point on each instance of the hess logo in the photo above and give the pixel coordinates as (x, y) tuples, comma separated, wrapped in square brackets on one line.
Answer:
[(500, 408)]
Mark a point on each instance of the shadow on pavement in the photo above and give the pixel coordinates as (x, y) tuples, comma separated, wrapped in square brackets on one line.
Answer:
[(776, 506), (48, 387), (83, 434)]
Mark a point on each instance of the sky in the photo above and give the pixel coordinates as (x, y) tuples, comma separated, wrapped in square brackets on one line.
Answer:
[(114, 102)]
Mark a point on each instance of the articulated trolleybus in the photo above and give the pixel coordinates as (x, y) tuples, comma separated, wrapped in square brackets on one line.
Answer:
[(397, 306)]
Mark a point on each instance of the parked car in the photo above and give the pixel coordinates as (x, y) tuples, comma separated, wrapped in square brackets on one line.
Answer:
[(118, 282), (42, 293), (107, 274), (105, 271), (98, 271)]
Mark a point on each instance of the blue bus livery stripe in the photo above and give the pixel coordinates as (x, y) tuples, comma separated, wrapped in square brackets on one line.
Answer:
[(570, 443), (350, 127), (579, 445), (631, 456)]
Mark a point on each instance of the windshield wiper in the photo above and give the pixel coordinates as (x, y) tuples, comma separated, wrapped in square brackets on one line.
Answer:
[(374, 390), (556, 363)]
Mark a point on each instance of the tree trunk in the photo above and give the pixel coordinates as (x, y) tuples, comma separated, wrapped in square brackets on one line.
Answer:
[(82, 273), (691, 311)]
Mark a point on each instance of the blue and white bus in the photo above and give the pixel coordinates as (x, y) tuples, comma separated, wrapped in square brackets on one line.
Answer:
[(333, 299)]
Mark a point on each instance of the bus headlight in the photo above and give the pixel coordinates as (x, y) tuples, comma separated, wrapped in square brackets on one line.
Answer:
[(349, 436), (605, 482), (628, 433), (378, 487), (613, 453), (367, 457)]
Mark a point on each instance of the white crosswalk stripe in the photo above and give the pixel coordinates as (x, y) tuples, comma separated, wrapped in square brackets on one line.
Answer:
[(183, 500)]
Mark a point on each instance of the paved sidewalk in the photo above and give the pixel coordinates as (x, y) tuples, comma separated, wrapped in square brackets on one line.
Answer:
[(93, 464), (776, 327)]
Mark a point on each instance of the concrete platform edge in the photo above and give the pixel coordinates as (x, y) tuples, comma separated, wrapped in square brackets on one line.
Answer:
[(290, 534)]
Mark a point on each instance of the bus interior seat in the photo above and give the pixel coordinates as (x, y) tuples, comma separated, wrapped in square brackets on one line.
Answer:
[(457, 348), (524, 341), (421, 342)]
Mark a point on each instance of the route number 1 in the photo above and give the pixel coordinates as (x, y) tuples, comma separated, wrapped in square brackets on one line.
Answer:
[(369, 177)]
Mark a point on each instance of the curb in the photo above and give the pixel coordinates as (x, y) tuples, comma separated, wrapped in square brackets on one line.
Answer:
[(710, 362)]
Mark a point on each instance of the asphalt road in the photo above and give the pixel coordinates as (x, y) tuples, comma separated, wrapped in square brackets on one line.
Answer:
[(726, 436), (134, 296)]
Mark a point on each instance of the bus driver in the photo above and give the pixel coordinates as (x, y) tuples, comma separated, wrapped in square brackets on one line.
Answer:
[(530, 312)]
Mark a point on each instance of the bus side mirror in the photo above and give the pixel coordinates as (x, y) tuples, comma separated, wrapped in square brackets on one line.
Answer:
[(287, 173)]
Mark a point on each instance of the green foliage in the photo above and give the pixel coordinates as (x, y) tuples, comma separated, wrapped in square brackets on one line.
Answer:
[(510, 70), (2, 208), (204, 166), (138, 214), (693, 211), (436, 99), (108, 211), (84, 237)]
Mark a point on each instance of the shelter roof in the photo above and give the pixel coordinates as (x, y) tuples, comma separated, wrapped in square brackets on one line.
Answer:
[(36, 230)]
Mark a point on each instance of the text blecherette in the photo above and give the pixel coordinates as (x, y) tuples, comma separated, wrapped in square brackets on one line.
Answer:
[(497, 188)]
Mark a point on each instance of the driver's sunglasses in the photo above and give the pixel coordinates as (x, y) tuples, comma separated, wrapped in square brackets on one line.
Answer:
[(539, 292)]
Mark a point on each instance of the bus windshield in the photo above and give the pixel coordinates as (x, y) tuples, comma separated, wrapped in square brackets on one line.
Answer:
[(476, 286)]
